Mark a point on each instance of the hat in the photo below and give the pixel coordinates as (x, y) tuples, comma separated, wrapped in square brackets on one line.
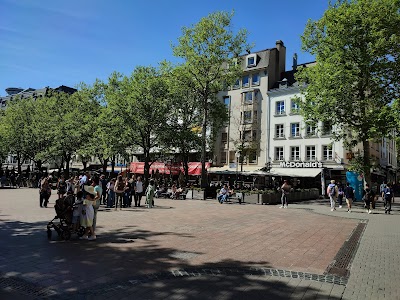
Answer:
[(89, 189)]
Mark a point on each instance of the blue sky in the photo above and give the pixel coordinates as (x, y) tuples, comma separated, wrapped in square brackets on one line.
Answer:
[(51, 43)]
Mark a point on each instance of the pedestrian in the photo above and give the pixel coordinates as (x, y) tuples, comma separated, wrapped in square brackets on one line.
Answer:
[(61, 187), (87, 214), (111, 193), (97, 199), (349, 194), (132, 183), (333, 192), (103, 184), (388, 196), (138, 191), (127, 192), (150, 194), (44, 192), (340, 194), (368, 196), (381, 189), (119, 192), (285, 189)]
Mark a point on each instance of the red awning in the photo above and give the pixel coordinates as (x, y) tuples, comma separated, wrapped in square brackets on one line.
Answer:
[(163, 168)]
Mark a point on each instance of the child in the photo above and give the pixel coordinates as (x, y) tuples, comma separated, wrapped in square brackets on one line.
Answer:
[(76, 215), (150, 194)]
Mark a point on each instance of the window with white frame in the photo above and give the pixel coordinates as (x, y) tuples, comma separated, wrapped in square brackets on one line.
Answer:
[(295, 153), (294, 108), (245, 81), (248, 97), (255, 79), (279, 131), (280, 107), (253, 157), (251, 60), (328, 152), (311, 130), (311, 153), (295, 129), (279, 153)]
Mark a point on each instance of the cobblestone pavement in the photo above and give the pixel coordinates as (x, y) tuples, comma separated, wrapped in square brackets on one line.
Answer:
[(197, 249)]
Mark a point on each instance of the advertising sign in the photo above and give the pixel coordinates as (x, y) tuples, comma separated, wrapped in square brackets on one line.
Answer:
[(356, 181), (300, 164)]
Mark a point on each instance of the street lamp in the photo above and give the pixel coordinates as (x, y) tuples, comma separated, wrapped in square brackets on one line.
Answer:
[(237, 155)]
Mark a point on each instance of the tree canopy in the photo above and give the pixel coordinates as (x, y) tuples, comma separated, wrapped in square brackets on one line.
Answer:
[(356, 76), (211, 50)]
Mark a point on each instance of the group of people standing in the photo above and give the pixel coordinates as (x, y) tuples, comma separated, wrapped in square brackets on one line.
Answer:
[(338, 192)]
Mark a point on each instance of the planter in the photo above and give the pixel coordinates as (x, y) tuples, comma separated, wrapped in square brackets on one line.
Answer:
[(195, 194), (272, 198), (251, 198)]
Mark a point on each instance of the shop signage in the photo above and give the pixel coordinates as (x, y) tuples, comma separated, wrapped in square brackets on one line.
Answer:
[(300, 164)]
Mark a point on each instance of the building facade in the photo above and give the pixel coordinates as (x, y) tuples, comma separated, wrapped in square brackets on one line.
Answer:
[(265, 121)]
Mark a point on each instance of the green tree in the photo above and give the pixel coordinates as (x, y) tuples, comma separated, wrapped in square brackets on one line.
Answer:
[(183, 118), (211, 50), (139, 104), (356, 76), (70, 124)]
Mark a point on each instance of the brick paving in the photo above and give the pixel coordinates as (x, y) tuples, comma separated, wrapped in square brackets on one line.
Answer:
[(193, 235)]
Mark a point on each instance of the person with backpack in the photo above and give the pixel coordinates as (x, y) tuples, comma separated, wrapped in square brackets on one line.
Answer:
[(340, 194), (349, 194), (388, 196), (368, 196), (285, 189), (333, 192)]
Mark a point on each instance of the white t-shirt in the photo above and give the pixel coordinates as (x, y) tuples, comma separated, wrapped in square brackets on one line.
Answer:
[(139, 186)]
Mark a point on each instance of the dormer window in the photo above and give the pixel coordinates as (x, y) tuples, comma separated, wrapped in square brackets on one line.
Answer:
[(251, 60)]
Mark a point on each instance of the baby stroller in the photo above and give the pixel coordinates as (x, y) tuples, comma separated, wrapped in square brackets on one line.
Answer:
[(64, 209)]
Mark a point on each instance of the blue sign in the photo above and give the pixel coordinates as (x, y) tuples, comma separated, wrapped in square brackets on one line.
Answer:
[(356, 181)]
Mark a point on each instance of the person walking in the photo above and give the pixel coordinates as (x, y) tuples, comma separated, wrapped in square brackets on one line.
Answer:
[(119, 192), (285, 189), (127, 192), (138, 191), (132, 183), (349, 194), (87, 213), (381, 189), (150, 194), (44, 192), (388, 196), (368, 198), (340, 194), (333, 192)]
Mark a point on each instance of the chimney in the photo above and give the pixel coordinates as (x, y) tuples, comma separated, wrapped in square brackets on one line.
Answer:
[(295, 61), (279, 44)]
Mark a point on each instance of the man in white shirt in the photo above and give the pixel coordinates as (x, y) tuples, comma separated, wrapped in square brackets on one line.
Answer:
[(138, 191), (223, 194)]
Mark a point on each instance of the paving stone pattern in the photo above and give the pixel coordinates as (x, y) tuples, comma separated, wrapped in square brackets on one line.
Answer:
[(195, 249)]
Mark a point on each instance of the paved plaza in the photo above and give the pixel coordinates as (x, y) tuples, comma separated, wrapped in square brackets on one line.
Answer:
[(195, 249)]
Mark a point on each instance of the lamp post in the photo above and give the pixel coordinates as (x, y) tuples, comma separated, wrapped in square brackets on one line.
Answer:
[(237, 155)]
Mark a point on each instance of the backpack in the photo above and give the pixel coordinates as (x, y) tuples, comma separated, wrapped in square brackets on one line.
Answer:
[(388, 193), (332, 190)]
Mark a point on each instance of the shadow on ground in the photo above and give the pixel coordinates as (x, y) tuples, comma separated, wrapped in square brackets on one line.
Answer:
[(34, 267)]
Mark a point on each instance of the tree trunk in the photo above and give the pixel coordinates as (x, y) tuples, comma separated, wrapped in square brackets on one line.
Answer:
[(366, 162), (105, 161), (66, 170), (19, 163), (84, 163), (146, 166), (185, 167), (39, 164), (112, 164), (204, 182)]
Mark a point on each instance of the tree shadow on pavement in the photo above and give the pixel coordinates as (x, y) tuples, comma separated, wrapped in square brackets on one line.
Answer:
[(117, 266)]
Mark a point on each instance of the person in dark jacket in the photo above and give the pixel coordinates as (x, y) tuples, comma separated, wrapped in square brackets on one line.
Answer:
[(388, 196), (349, 194)]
